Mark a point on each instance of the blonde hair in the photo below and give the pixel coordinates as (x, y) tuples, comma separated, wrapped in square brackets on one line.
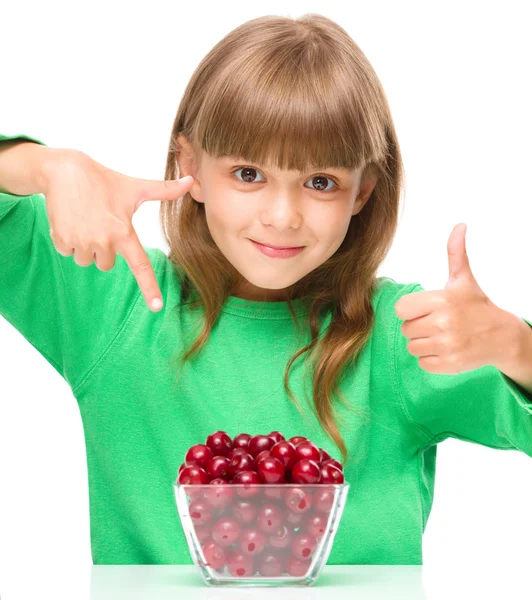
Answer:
[(298, 94)]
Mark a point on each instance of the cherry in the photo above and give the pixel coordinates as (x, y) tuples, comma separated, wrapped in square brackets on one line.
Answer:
[(219, 467), (241, 441), (298, 500), (252, 541), (271, 470), (241, 461), (285, 452), (271, 564), (221, 494), (306, 471), (334, 462), (261, 455), (199, 455), (309, 450), (269, 517), (275, 492), (202, 533), (236, 451), (296, 439), (245, 511), (281, 537), (193, 475), (258, 443), (294, 518), (214, 554), (240, 564), (331, 474), (226, 531), (324, 455), (181, 467), (249, 478), (200, 512), (303, 546), (323, 500), (315, 524), (220, 443), (296, 568), (276, 436)]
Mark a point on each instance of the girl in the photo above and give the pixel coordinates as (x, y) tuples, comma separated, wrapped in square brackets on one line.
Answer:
[(288, 138)]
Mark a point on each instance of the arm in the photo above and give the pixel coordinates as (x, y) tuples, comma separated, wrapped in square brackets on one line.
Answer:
[(22, 166)]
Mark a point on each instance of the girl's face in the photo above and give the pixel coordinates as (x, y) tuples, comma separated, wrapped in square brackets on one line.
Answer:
[(278, 207)]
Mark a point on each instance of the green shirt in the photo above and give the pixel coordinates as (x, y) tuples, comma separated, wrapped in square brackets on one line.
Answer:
[(96, 330)]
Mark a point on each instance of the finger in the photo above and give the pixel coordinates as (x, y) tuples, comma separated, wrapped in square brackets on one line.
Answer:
[(105, 257), (83, 256), (169, 189), (139, 263)]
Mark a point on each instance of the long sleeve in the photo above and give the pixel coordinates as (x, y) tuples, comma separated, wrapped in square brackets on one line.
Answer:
[(481, 406), (70, 314)]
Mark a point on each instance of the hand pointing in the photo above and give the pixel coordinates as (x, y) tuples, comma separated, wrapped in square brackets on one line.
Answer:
[(90, 209)]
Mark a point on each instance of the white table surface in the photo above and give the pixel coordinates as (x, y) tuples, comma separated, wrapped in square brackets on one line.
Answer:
[(338, 582)]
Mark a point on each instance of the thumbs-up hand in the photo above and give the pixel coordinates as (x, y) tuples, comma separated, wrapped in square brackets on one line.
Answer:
[(458, 328)]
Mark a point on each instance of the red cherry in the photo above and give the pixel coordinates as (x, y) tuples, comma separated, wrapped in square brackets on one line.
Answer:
[(281, 537), (200, 511), (303, 546), (295, 519), (241, 441), (315, 524), (252, 541), (236, 451), (193, 475), (285, 452), (296, 568), (181, 467), (260, 456), (275, 492), (226, 531), (202, 532), (221, 494), (271, 564), (251, 479), (214, 554), (323, 500), (199, 454), (271, 470), (241, 461), (276, 436), (324, 455), (334, 462), (220, 443), (306, 471), (296, 439), (219, 467), (308, 450), (298, 499), (258, 443), (240, 564), (330, 474), (245, 511), (269, 517)]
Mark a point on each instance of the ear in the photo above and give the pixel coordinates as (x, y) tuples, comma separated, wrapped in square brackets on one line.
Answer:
[(188, 164), (365, 191)]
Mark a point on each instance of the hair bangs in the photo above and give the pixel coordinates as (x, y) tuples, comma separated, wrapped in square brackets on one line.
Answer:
[(289, 115)]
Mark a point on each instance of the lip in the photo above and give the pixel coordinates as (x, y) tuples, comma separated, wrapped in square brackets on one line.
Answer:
[(277, 252), (278, 247)]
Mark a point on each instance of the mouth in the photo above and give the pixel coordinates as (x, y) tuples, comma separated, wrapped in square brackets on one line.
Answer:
[(277, 247)]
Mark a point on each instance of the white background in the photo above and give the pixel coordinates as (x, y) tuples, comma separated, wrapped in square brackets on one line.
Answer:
[(106, 78)]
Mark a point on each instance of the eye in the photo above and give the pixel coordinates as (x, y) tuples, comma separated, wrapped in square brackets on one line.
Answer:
[(249, 173)]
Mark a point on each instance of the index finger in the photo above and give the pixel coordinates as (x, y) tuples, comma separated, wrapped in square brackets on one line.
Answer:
[(140, 265)]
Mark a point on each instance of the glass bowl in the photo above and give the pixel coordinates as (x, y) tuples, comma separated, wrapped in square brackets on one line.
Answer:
[(260, 534)]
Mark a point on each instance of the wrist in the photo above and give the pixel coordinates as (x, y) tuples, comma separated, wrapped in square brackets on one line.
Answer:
[(48, 164)]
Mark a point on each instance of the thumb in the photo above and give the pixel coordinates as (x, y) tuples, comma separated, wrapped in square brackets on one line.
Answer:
[(459, 268), (168, 189)]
